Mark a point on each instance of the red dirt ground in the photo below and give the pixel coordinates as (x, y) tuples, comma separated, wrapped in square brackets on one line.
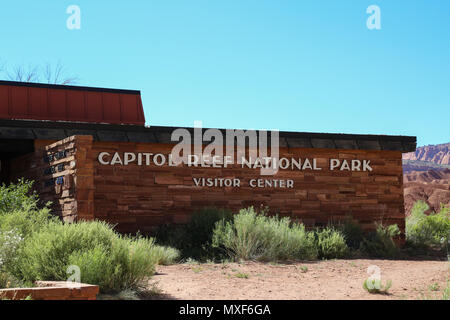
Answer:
[(333, 279)]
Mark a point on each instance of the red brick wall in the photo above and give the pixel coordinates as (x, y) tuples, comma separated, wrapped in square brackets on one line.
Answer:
[(32, 166), (140, 197), (84, 178), (52, 290)]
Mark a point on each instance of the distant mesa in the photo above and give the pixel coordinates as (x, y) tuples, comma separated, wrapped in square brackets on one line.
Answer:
[(426, 176), (436, 157), (430, 176)]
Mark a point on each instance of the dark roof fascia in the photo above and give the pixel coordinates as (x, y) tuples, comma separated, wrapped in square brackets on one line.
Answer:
[(55, 130), (66, 87)]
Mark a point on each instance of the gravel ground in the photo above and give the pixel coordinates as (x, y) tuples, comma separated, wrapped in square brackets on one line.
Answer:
[(333, 279)]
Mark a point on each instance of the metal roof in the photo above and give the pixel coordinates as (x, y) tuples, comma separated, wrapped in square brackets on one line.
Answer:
[(37, 101)]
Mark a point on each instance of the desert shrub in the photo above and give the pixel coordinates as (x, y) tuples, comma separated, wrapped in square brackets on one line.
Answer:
[(433, 292), (173, 235), (165, 255), (9, 243), (19, 209), (25, 221), (253, 235), (122, 266), (446, 293), (112, 261), (194, 240), (353, 233), (380, 243), (36, 246), (428, 230), (17, 196), (19, 217), (331, 243), (9, 281), (376, 286)]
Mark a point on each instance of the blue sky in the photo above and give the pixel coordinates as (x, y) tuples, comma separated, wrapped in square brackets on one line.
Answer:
[(308, 66)]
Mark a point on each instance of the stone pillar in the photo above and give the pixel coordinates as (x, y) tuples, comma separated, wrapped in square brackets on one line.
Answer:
[(84, 178)]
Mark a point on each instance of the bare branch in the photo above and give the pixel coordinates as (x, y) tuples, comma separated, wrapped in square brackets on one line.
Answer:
[(50, 74), (32, 75), (58, 71), (19, 73), (70, 81), (56, 75)]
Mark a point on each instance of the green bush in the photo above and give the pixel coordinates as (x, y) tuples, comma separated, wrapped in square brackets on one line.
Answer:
[(8, 281), (105, 258), (446, 293), (9, 242), (380, 243), (25, 221), (194, 239), (36, 246), (18, 196), (165, 255), (251, 235), (428, 230), (123, 266), (19, 210), (331, 243), (352, 232), (375, 286), (19, 217)]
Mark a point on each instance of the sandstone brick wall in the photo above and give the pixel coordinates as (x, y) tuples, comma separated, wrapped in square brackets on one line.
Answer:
[(67, 184), (84, 178), (141, 197), (52, 290)]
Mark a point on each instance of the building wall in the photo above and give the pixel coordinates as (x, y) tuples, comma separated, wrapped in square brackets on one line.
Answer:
[(69, 186), (141, 197), (33, 166)]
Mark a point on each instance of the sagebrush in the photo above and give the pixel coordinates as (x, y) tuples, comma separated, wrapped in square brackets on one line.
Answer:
[(381, 242), (36, 246), (376, 286), (194, 240), (105, 258), (331, 243), (256, 236), (428, 230)]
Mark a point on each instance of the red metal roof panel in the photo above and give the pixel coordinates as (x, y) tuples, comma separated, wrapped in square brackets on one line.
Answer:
[(22, 100)]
